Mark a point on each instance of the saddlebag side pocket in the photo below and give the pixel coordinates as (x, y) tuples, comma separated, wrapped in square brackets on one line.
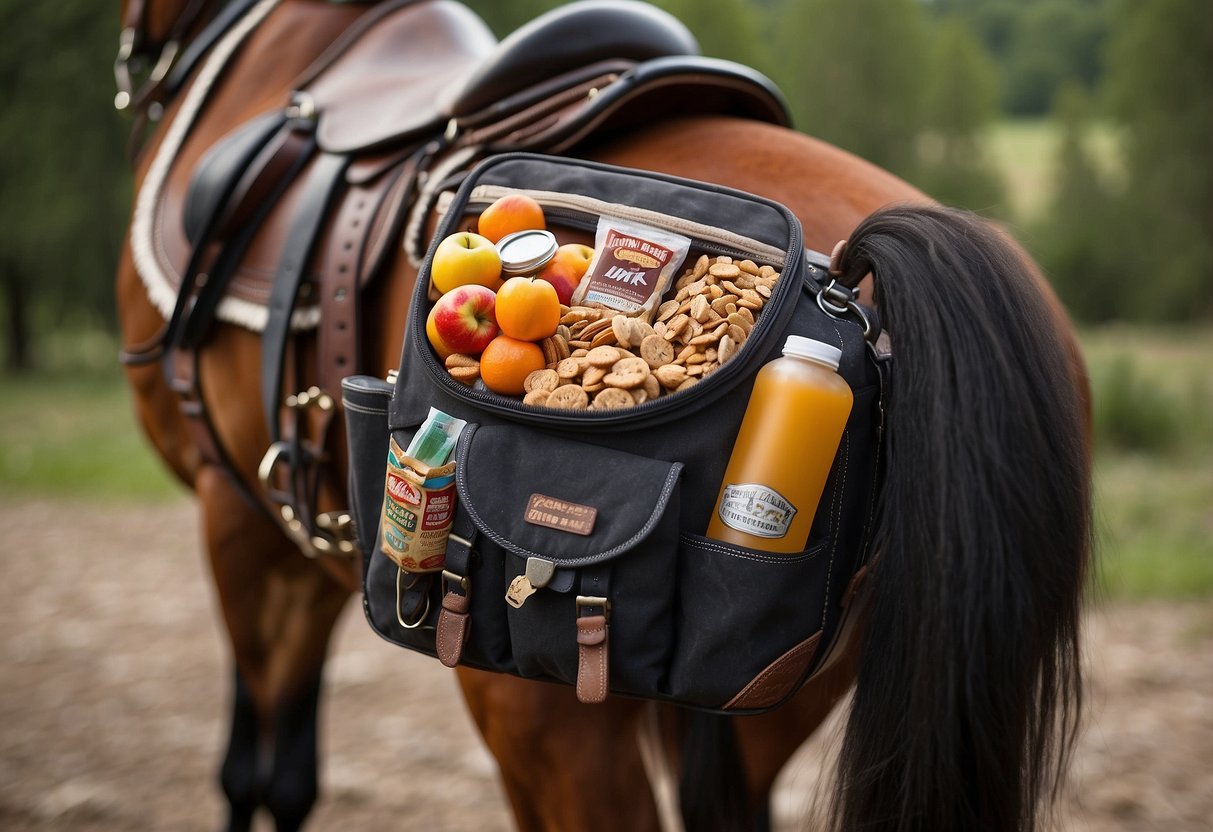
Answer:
[(365, 400)]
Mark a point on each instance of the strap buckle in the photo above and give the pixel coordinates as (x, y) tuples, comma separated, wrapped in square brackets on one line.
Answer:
[(584, 601)]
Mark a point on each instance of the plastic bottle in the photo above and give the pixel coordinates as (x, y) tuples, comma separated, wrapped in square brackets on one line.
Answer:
[(784, 450)]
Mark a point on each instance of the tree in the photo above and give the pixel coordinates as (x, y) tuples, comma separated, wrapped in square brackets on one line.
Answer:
[(960, 102), (63, 170), (853, 71), (730, 29), (1159, 81), (1072, 240)]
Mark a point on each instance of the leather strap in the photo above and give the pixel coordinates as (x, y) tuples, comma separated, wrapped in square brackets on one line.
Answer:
[(593, 665), (320, 185), (453, 624), (593, 644), (337, 336), (454, 621)]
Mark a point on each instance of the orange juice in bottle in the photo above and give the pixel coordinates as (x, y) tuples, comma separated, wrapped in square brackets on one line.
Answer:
[(784, 451)]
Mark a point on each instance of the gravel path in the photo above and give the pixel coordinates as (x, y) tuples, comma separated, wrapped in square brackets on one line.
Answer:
[(115, 679)]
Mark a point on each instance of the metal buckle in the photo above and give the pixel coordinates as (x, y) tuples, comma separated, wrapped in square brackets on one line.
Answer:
[(594, 601), (451, 577)]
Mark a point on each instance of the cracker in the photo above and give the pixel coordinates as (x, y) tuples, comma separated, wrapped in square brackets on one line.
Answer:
[(568, 397), (627, 373), (465, 375), (656, 351), (670, 376), (537, 398), (612, 398), (603, 356), (569, 368), (541, 380)]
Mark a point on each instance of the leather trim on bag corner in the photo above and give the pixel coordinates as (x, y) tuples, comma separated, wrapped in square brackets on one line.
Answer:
[(776, 680)]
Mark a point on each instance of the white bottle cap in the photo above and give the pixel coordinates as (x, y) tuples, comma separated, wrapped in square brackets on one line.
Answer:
[(813, 350)]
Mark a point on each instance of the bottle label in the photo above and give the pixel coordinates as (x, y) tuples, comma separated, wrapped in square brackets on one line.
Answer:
[(755, 509)]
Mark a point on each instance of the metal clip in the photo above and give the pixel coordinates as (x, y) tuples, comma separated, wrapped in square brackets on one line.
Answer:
[(414, 578), (839, 301)]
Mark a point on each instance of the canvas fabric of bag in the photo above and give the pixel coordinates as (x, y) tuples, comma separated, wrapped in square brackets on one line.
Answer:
[(693, 621)]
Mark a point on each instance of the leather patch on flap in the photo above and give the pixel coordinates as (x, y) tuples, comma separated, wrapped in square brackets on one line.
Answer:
[(561, 515)]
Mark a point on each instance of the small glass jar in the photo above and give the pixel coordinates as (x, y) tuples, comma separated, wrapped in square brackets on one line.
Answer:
[(525, 253)]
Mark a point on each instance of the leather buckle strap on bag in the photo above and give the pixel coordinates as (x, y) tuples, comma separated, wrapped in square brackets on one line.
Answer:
[(454, 621), (593, 655)]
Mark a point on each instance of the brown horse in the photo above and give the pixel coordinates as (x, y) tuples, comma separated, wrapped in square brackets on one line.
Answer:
[(967, 678)]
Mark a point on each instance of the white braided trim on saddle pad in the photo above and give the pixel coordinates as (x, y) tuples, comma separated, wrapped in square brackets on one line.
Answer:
[(161, 288)]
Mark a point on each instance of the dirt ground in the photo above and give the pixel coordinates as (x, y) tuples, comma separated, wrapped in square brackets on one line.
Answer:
[(115, 679)]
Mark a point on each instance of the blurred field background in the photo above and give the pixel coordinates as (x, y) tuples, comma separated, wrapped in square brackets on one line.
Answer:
[(1083, 125)]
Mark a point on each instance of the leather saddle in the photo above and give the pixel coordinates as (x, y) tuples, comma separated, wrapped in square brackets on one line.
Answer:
[(413, 92)]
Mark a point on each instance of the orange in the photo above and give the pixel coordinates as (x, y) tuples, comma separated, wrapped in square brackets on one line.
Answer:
[(513, 212), (506, 362), (528, 308)]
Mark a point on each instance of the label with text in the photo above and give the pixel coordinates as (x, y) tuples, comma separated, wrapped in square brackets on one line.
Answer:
[(561, 515)]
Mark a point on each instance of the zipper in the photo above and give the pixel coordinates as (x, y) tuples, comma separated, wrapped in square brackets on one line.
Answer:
[(579, 211), (583, 212)]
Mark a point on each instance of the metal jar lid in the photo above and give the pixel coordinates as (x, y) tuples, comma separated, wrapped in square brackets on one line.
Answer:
[(526, 252)]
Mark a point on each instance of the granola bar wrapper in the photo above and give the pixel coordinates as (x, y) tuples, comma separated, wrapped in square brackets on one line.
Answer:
[(418, 511), (632, 268)]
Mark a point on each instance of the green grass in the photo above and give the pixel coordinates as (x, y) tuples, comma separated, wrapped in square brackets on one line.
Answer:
[(1153, 393), (1025, 152), (71, 433)]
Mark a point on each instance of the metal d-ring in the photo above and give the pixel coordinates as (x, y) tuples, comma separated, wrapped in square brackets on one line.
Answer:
[(841, 302), (425, 610)]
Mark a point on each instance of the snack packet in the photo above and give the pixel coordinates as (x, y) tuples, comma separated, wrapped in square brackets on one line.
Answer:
[(419, 496), (633, 265)]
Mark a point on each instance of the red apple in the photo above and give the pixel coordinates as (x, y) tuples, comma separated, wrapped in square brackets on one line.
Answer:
[(465, 258), (566, 268), (464, 320)]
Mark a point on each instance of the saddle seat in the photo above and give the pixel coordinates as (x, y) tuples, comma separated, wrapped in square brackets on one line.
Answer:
[(393, 79)]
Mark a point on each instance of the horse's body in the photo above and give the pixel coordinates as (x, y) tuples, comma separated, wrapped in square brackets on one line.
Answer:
[(564, 765)]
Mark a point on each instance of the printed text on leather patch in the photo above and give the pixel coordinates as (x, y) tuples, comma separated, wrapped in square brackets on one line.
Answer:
[(561, 515)]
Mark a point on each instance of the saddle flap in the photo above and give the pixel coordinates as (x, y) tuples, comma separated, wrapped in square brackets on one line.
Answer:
[(537, 495), (566, 39), (382, 81)]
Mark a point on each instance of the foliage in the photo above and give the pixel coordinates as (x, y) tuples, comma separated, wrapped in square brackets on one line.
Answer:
[(1160, 83), (853, 72), (1073, 238), (62, 172), (961, 97), (1039, 45)]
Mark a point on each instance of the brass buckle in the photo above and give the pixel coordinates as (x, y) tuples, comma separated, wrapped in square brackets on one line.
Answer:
[(449, 577), (584, 601)]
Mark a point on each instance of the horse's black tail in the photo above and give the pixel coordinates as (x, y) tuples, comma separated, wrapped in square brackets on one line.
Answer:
[(712, 790), (969, 684)]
